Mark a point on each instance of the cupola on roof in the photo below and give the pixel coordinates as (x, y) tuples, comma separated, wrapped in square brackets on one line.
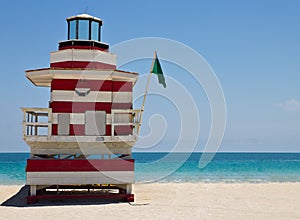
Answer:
[(84, 27)]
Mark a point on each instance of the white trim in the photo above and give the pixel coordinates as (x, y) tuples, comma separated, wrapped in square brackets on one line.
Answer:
[(94, 177), (83, 55), (43, 77), (93, 96), (79, 118), (122, 97), (72, 96), (75, 118)]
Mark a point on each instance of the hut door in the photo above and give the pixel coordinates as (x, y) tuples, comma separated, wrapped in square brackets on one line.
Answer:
[(95, 123), (63, 127)]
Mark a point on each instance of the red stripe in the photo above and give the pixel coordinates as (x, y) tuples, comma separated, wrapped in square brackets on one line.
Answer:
[(123, 130), (83, 47), (83, 65), (103, 196), (79, 130), (108, 130), (120, 130), (63, 165), (122, 86), (82, 107), (94, 85)]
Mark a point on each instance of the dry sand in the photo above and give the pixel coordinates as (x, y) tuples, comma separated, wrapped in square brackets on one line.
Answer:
[(170, 201)]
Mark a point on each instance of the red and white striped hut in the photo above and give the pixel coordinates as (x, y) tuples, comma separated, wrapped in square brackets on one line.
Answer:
[(83, 140)]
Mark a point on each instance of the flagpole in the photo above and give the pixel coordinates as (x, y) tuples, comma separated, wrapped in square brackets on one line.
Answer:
[(145, 95)]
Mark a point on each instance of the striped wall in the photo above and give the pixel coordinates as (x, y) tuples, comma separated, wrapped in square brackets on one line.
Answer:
[(76, 97), (77, 58), (50, 172)]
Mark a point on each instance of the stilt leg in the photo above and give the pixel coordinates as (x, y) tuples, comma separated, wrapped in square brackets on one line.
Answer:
[(128, 188), (33, 190)]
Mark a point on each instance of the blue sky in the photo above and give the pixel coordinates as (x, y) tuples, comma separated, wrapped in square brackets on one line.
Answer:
[(253, 47)]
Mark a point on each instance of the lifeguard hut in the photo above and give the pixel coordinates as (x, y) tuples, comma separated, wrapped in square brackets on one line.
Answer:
[(83, 140)]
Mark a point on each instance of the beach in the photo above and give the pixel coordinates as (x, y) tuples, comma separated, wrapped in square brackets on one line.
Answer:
[(170, 201)]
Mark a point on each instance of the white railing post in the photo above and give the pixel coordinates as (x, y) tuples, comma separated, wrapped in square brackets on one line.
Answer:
[(49, 122), (112, 123)]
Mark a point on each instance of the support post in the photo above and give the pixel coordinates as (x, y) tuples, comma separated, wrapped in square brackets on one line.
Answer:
[(27, 125), (128, 188), (112, 123), (33, 190), (36, 121)]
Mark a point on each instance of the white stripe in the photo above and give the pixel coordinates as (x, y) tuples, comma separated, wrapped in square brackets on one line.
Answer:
[(72, 96), (92, 96), (74, 118), (83, 55), (123, 118), (95, 177), (122, 97), (79, 118)]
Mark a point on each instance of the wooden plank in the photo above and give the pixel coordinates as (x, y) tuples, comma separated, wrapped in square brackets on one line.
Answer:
[(66, 165), (81, 107), (75, 118), (93, 96), (122, 97), (79, 118), (119, 196), (71, 84), (61, 178), (94, 85), (72, 96), (83, 65), (83, 55), (79, 129)]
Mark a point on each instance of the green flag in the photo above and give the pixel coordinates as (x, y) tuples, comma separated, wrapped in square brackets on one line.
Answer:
[(156, 68)]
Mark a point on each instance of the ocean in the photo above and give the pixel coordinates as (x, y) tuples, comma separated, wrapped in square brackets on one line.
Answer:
[(184, 167)]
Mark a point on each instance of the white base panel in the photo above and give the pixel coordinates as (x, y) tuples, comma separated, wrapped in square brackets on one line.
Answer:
[(66, 178)]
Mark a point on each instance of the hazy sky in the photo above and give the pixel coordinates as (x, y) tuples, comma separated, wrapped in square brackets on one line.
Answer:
[(252, 46)]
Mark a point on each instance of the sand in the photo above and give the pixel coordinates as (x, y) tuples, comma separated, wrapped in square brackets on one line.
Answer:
[(170, 201)]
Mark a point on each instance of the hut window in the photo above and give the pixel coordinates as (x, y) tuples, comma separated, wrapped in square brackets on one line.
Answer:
[(83, 29), (95, 31), (72, 31)]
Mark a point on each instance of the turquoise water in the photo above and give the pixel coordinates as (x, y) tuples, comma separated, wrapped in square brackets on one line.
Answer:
[(181, 167)]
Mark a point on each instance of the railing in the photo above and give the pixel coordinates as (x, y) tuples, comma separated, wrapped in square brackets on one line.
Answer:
[(32, 122), (133, 120)]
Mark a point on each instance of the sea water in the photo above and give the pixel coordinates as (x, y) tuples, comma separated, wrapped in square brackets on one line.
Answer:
[(184, 167)]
